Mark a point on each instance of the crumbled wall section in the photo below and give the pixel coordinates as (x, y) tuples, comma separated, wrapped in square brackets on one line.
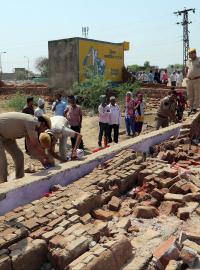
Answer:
[(58, 222), (113, 217), (34, 186)]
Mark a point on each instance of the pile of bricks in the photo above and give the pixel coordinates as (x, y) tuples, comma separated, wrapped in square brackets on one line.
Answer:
[(63, 226), (178, 253), (90, 224)]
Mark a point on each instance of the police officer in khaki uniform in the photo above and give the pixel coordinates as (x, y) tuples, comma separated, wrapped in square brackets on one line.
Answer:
[(167, 110), (193, 80), (15, 125), (59, 130)]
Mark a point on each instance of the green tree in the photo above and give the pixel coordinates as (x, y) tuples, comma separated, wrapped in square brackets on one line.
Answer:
[(134, 68), (42, 65), (147, 66), (176, 66)]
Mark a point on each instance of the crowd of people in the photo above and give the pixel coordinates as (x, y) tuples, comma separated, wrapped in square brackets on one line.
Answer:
[(42, 133), (161, 76)]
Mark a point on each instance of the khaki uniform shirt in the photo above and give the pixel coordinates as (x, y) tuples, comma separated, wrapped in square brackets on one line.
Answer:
[(167, 108), (193, 68), (14, 125)]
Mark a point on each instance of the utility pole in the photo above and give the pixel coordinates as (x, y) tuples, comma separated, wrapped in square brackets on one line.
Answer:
[(1, 69), (186, 41)]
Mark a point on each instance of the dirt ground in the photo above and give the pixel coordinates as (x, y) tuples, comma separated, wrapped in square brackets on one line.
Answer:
[(89, 131)]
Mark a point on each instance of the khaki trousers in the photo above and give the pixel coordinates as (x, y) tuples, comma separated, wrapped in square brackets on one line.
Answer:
[(161, 122), (193, 88), (63, 147), (17, 155)]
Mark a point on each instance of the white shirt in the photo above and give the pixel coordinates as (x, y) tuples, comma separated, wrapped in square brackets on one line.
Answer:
[(179, 78), (115, 115), (173, 77), (59, 127), (104, 114), (39, 112)]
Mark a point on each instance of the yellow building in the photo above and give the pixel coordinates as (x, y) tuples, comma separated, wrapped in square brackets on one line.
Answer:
[(70, 58), (103, 58)]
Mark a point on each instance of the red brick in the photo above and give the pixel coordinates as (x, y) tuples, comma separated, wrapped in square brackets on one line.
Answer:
[(146, 212), (157, 194), (191, 197), (183, 213), (173, 197), (31, 224), (39, 232), (178, 187), (54, 222), (170, 173), (169, 207), (58, 241), (166, 183), (167, 251), (102, 214), (124, 223), (86, 218), (44, 213), (152, 202), (193, 236), (143, 196), (114, 203), (43, 221), (142, 174)]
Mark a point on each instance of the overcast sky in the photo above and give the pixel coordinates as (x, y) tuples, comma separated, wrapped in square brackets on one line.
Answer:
[(149, 26)]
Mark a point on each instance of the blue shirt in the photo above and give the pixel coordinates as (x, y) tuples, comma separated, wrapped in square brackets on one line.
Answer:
[(60, 107), (151, 77)]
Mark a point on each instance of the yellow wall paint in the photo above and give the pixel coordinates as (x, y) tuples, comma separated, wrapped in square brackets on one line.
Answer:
[(104, 58)]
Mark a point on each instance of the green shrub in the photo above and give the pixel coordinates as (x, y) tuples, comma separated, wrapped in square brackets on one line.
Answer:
[(90, 90), (18, 101), (123, 88)]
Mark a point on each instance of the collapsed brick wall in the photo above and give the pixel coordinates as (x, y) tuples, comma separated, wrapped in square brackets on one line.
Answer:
[(58, 219), (87, 225)]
